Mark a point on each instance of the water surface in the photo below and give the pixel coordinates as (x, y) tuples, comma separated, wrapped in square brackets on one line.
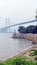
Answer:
[(10, 46)]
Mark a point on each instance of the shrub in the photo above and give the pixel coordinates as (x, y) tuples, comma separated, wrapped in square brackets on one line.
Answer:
[(36, 58), (20, 60), (33, 52)]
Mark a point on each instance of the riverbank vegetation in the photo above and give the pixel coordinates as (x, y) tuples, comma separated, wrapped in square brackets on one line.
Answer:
[(29, 29), (33, 52), (20, 60)]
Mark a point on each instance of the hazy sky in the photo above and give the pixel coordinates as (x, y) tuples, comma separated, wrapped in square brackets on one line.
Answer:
[(17, 10)]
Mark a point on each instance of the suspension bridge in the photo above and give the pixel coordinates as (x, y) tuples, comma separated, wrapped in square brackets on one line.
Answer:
[(7, 28)]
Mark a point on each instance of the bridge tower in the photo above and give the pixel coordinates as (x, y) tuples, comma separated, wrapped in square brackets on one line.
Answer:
[(7, 23), (36, 14)]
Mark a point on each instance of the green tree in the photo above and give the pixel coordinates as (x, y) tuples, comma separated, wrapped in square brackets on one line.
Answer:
[(28, 29), (35, 30), (21, 29)]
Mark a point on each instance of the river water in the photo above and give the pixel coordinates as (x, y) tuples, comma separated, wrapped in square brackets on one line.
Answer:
[(10, 46)]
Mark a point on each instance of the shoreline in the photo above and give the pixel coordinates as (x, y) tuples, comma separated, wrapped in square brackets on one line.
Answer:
[(17, 54), (30, 36), (23, 52)]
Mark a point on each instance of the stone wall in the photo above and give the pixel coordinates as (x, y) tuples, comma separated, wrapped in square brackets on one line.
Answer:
[(30, 36)]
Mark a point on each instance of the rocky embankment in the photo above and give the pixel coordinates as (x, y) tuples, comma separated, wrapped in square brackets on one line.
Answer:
[(30, 36)]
